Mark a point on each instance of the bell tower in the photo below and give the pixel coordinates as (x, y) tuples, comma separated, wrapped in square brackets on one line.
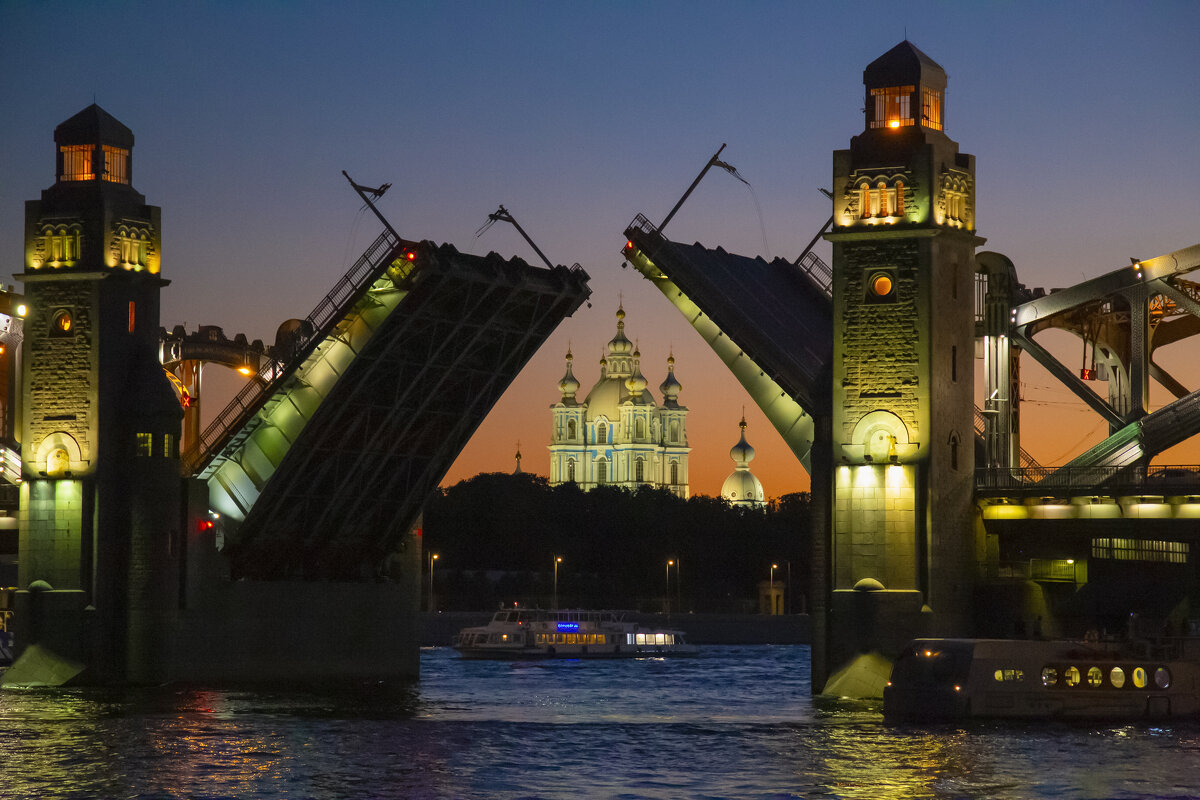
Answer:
[(100, 505), (904, 241)]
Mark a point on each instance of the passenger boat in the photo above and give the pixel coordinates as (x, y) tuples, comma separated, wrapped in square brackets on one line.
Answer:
[(1060, 679), (536, 633)]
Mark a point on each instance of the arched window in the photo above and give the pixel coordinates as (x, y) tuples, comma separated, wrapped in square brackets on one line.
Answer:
[(883, 200), (602, 433), (899, 198), (864, 200), (602, 471), (639, 470), (570, 470), (639, 428), (954, 450), (674, 473), (674, 431), (571, 429)]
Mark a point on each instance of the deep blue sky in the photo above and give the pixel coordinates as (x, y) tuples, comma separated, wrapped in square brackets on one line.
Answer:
[(576, 116)]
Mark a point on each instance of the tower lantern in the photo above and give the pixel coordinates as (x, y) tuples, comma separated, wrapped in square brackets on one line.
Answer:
[(905, 88)]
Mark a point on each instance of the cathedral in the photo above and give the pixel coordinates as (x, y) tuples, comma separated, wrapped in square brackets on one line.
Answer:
[(617, 434)]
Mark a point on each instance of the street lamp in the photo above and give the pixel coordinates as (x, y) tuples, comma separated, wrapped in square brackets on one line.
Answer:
[(670, 563), (557, 561), (432, 558), (772, 583)]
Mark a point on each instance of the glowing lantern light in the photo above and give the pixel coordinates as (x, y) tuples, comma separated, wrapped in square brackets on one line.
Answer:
[(894, 123)]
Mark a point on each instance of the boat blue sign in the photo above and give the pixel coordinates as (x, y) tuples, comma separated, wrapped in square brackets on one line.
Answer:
[(568, 626)]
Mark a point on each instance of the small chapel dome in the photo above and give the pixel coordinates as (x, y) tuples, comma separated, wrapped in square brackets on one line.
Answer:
[(670, 387), (569, 384), (742, 487)]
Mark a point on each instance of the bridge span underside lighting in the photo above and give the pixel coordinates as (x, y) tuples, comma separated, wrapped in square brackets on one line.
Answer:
[(337, 463), (769, 322)]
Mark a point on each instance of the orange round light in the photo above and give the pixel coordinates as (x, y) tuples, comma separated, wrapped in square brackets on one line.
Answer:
[(881, 285), (894, 123)]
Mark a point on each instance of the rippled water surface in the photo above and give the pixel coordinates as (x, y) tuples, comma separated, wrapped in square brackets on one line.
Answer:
[(735, 722)]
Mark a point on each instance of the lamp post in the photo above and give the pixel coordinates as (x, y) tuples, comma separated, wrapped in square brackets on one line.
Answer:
[(432, 558), (557, 561), (670, 563), (772, 589)]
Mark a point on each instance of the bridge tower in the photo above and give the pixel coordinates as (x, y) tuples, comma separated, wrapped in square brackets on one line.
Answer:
[(101, 502), (901, 548)]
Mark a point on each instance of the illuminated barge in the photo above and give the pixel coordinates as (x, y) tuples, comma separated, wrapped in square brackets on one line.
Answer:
[(570, 633)]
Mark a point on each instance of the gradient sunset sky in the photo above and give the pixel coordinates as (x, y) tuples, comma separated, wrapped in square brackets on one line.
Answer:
[(1084, 118)]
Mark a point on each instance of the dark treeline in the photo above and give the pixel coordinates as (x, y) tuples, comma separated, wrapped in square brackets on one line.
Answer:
[(496, 536)]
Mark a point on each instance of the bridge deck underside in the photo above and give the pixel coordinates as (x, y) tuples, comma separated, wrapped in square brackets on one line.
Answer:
[(356, 478), (771, 309)]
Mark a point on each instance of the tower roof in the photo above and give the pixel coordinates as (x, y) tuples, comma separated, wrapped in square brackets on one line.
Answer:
[(94, 125), (904, 64)]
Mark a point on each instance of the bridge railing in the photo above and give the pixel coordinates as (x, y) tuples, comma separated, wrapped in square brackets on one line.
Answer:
[(1066, 481), (316, 326)]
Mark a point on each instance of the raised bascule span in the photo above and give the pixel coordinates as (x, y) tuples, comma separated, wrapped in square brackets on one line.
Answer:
[(769, 322), (322, 463)]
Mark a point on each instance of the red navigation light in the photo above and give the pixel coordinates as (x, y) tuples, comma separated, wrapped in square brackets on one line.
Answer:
[(204, 525), (410, 255), (628, 245)]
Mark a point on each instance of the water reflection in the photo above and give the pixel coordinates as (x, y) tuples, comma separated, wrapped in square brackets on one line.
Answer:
[(737, 722)]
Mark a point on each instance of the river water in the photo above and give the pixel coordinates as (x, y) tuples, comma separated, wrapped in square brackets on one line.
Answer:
[(736, 722)]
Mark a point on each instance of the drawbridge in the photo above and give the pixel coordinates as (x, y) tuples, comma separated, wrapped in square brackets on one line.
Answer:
[(322, 462), (770, 322)]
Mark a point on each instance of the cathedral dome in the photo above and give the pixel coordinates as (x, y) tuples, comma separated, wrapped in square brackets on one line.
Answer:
[(670, 387), (569, 384), (742, 487), (619, 345)]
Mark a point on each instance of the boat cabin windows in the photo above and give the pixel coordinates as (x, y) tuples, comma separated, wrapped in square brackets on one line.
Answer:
[(650, 638), (1095, 677), (1005, 675)]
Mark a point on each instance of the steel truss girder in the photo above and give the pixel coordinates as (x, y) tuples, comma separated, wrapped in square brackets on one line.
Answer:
[(1136, 286), (356, 477)]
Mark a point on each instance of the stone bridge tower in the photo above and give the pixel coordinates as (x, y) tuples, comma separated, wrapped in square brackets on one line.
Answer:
[(902, 552), (101, 502)]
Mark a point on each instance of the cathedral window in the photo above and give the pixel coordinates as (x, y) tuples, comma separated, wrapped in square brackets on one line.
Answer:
[(571, 429), (674, 431), (602, 433), (77, 162), (571, 470), (892, 107), (674, 473), (602, 471), (639, 468), (639, 429), (116, 164)]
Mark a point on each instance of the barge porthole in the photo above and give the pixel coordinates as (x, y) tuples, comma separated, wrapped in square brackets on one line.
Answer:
[(1095, 677), (1139, 678), (1116, 677), (1049, 676), (1162, 677), (1071, 676)]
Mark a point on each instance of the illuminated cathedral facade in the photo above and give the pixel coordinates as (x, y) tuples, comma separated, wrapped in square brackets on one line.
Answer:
[(618, 434)]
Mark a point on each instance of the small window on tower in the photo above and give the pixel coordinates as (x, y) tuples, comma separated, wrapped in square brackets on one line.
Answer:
[(132, 315), (168, 446), (77, 163), (116, 164), (893, 107), (931, 109), (144, 444), (62, 324), (881, 286)]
